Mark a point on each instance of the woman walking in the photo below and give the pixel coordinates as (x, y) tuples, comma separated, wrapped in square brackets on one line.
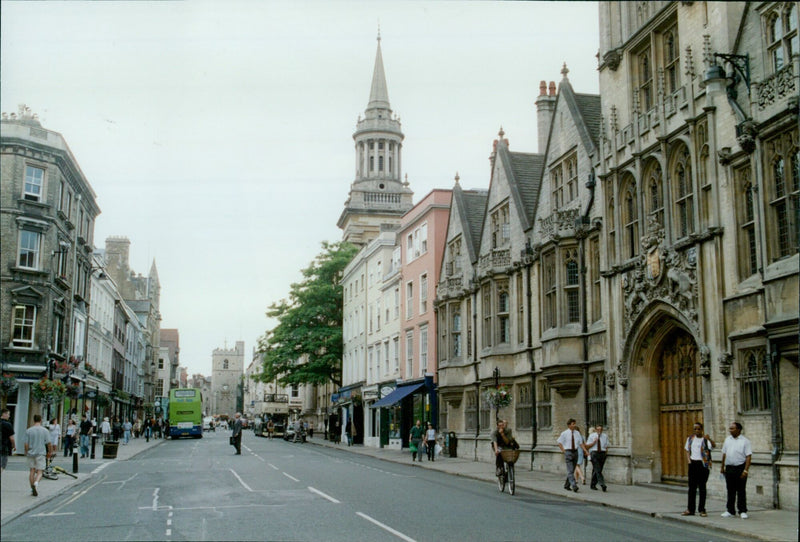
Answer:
[(69, 441), (430, 442)]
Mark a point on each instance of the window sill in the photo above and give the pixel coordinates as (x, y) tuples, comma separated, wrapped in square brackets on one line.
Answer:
[(29, 271)]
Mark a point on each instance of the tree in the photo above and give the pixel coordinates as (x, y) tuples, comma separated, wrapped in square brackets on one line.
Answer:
[(306, 345)]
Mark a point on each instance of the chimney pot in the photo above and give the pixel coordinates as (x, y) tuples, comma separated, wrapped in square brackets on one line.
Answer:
[(543, 88), (552, 88)]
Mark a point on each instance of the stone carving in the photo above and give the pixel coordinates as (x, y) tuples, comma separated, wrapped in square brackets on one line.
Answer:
[(559, 221), (612, 59), (660, 274), (611, 379), (746, 133), (705, 361), (777, 87), (622, 373), (725, 363)]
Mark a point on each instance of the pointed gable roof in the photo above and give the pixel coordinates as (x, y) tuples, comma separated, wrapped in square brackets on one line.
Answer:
[(585, 111), (524, 174), (471, 208)]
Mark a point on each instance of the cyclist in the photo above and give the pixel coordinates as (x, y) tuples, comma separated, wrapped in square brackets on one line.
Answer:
[(502, 439)]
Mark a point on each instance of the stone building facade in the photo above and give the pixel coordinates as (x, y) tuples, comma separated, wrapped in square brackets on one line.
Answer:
[(657, 252), (47, 217), (227, 370)]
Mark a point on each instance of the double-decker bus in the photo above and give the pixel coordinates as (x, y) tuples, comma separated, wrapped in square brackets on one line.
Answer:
[(185, 411)]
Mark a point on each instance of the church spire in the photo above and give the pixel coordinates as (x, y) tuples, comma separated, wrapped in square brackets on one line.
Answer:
[(379, 95)]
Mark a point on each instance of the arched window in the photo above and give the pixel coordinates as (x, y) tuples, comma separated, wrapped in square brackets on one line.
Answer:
[(655, 199), (612, 232), (782, 174), (630, 219), (224, 363), (571, 287), (671, 53), (684, 195)]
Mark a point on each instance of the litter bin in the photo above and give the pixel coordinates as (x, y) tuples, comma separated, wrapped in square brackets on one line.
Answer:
[(110, 449), (452, 445)]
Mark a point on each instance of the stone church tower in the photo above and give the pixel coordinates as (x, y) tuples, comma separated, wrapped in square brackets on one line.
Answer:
[(378, 195)]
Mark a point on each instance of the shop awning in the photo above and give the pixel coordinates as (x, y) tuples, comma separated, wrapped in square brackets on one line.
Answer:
[(397, 395)]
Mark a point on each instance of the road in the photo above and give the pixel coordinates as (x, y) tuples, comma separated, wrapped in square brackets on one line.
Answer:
[(200, 490)]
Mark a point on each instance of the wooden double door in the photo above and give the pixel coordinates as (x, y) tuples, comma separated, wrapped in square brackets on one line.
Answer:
[(680, 402)]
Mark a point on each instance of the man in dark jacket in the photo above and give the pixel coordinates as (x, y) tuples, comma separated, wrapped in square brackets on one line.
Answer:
[(237, 433)]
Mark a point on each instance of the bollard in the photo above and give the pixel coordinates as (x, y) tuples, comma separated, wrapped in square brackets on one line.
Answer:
[(94, 440), (74, 463)]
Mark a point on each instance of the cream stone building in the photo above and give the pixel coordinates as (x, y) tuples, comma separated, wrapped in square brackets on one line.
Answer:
[(660, 257)]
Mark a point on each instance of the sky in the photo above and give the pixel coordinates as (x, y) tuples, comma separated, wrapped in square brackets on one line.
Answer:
[(218, 135)]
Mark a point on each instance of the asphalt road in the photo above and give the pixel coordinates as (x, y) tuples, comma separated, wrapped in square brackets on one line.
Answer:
[(199, 490)]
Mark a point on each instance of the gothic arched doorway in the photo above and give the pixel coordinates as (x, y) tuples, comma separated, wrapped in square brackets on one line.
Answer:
[(680, 398)]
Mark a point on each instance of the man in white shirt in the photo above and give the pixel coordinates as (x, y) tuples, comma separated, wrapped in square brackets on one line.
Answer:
[(597, 449), (698, 454), (569, 441), (736, 455)]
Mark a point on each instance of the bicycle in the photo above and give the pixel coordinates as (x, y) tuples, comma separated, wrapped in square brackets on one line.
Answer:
[(507, 476)]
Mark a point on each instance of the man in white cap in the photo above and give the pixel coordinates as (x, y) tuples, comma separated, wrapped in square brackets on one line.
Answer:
[(105, 428)]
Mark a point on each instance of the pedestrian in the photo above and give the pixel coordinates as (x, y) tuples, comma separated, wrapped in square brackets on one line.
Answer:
[(597, 446), (148, 428), (698, 453), (127, 427), (270, 428), (38, 447), (569, 441), (736, 455), (86, 429), (311, 429), (105, 429), (237, 433), (55, 433), (349, 431), (69, 439), (137, 428), (430, 442), (579, 465), (415, 441), (116, 428), (7, 444)]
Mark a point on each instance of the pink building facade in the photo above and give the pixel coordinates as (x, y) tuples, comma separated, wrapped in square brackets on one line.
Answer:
[(422, 236)]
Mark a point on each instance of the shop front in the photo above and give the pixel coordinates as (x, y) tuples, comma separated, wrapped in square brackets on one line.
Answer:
[(401, 406)]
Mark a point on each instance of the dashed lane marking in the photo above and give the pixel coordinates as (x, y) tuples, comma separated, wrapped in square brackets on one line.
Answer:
[(385, 527), (248, 488), (290, 477), (321, 494)]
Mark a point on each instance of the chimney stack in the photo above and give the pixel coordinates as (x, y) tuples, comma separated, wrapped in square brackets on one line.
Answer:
[(545, 107)]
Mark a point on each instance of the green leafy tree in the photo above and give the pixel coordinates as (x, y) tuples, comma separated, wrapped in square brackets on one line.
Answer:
[(306, 345)]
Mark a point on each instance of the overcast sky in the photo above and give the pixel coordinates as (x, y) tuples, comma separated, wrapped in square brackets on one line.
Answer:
[(218, 135)]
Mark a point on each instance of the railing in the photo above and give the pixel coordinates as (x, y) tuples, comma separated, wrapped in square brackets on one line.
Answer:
[(381, 197)]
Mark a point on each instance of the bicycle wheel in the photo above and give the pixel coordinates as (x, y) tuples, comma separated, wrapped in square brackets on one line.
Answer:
[(501, 481), (511, 485)]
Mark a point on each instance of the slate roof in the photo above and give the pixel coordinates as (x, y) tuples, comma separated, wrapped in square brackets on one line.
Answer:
[(527, 171), (471, 205)]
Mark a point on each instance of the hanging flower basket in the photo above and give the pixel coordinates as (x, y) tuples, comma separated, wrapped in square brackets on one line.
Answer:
[(102, 400), (498, 397), (48, 391), (120, 395), (8, 384), (73, 390)]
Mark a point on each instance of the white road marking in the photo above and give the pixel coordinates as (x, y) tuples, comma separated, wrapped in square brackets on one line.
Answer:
[(101, 467), (273, 466), (321, 494), (169, 532), (398, 534), (155, 498), (248, 488), (77, 495), (53, 514), (169, 522), (290, 477)]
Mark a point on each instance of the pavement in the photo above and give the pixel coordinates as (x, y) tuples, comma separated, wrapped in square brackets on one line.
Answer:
[(15, 489), (655, 500)]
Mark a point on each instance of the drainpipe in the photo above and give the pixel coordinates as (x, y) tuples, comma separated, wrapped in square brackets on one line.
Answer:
[(582, 229), (773, 372), (476, 370), (529, 325)]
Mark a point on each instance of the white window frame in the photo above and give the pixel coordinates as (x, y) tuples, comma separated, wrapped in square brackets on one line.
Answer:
[(409, 300), (409, 353), (423, 293), (22, 319), (423, 349), (29, 251), (33, 181)]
